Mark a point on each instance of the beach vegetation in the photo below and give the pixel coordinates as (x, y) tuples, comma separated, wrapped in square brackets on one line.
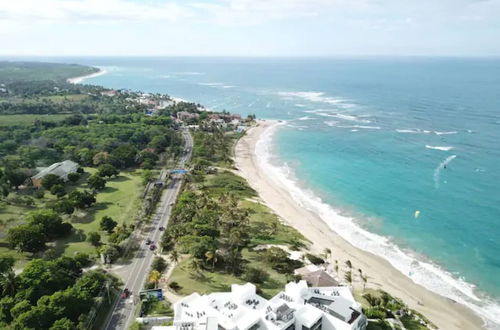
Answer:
[(315, 260)]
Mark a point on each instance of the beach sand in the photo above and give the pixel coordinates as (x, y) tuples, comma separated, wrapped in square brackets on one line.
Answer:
[(442, 311), (80, 79)]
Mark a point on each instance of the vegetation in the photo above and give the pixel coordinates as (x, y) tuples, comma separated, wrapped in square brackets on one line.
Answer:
[(53, 294)]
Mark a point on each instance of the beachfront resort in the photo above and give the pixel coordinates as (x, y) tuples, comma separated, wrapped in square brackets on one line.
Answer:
[(298, 306)]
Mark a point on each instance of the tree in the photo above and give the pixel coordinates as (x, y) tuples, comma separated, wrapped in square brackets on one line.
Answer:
[(107, 170), (14, 177), (327, 252), (51, 222), (365, 280), (348, 277), (255, 275), (8, 282), (73, 177), (58, 190), (211, 256), (94, 238), (159, 264), (63, 206), (107, 224), (123, 156), (96, 182), (82, 199), (27, 238), (111, 253), (174, 256), (154, 277), (348, 264), (51, 180), (63, 324)]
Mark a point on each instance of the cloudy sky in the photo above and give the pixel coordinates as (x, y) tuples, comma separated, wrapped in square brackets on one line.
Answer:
[(250, 27)]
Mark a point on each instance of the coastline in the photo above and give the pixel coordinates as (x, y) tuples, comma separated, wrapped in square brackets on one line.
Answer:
[(80, 79), (443, 312)]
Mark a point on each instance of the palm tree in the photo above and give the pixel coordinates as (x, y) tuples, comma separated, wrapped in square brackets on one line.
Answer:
[(348, 277), (372, 300), (174, 256), (194, 265), (154, 277), (336, 266), (327, 252), (365, 280), (8, 283), (211, 256), (349, 264)]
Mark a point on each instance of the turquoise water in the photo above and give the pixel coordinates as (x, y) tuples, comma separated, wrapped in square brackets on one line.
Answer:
[(371, 137)]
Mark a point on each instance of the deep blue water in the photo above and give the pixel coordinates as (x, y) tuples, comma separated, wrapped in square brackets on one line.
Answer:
[(368, 136)]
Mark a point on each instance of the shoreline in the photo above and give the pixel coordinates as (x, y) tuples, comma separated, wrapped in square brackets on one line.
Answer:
[(443, 312), (80, 79)]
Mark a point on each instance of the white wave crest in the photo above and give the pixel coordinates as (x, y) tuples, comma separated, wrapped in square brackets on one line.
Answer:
[(331, 123), (317, 97), (427, 274), (442, 148), (413, 131), (445, 133), (360, 126)]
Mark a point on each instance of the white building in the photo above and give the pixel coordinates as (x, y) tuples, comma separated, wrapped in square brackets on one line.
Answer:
[(298, 307)]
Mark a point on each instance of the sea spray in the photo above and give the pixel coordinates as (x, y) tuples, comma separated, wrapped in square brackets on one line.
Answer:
[(437, 171)]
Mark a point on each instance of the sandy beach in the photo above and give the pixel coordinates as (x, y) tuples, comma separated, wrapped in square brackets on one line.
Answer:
[(442, 311), (80, 79)]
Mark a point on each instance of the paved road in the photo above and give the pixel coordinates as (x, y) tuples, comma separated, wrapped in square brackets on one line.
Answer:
[(122, 314)]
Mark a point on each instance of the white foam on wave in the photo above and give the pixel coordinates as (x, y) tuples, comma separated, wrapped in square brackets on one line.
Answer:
[(360, 126), (442, 148), (331, 123), (445, 133), (216, 84), (188, 73), (413, 131), (341, 116), (425, 273), (305, 118), (317, 97)]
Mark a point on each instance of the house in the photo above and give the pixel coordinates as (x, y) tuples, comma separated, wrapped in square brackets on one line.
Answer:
[(184, 115), (296, 307), (61, 169), (109, 93), (315, 276)]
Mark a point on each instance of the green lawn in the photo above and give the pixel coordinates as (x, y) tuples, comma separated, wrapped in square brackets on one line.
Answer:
[(8, 120), (266, 228), (207, 281), (120, 200)]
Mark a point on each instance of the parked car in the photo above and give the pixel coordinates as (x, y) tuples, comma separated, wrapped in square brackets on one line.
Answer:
[(148, 241), (161, 228), (152, 247)]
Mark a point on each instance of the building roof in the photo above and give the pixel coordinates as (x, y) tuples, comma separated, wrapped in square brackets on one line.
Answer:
[(242, 308), (61, 169), (320, 278)]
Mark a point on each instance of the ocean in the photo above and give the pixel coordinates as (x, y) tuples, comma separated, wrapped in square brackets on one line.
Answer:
[(406, 149)]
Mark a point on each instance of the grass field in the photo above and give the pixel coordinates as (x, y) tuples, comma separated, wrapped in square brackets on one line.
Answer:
[(9, 120), (206, 281), (119, 200)]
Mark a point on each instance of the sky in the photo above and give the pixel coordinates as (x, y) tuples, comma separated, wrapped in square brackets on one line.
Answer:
[(250, 27)]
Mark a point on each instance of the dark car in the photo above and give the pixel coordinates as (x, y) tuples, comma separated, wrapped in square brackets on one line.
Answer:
[(161, 228), (152, 247), (148, 241)]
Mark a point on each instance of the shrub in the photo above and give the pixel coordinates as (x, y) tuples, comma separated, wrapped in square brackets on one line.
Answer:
[(174, 286), (73, 177), (159, 264), (314, 259), (94, 238), (255, 275), (107, 224)]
